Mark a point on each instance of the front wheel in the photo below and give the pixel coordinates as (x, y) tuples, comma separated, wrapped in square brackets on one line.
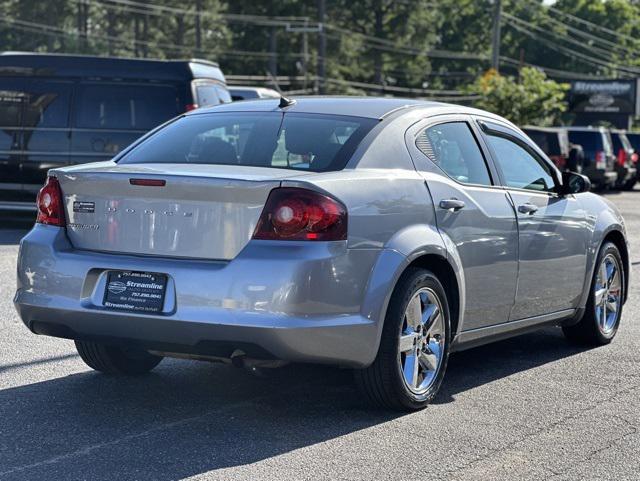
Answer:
[(603, 311), (116, 360), (414, 349)]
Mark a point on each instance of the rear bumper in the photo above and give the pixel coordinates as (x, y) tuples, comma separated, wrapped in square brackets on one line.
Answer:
[(625, 174), (288, 301)]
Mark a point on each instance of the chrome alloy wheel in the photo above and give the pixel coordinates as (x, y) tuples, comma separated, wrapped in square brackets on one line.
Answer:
[(421, 345), (608, 294)]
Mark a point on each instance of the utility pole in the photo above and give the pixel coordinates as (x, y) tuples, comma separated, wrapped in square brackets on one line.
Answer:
[(322, 48), (495, 44), (198, 27)]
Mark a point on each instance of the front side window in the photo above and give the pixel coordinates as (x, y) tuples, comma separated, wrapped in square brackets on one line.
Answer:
[(453, 148), (317, 143), (521, 169)]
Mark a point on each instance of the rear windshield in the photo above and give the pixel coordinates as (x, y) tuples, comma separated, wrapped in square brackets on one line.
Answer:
[(317, 143), (124, 106), (547, 141), (591, 142)]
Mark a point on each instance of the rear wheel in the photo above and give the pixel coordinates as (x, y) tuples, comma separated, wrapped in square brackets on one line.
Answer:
[(116, 360), (602, 316), (414, 349), (629, 184)]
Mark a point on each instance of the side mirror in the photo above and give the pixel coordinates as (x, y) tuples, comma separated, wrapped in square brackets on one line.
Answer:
[(573, 183)]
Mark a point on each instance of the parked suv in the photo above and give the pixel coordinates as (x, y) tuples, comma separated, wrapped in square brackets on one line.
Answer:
[(626, 156), (599, 160), (57, 110)]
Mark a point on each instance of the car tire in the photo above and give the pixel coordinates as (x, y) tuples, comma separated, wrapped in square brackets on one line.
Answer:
[(386, 382), (600, 322), (116, 360), (629, 184)]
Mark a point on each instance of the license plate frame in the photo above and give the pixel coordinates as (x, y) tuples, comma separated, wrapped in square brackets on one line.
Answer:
[(135, 291)]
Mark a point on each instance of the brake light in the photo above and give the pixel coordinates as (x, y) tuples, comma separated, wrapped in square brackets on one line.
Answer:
[(148, 182), (49, 202), (292, 213), (622, 157), (601, 160), (190, 107), (634, 157)]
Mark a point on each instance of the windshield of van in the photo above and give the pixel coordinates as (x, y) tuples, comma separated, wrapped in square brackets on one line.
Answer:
[(312, 142)]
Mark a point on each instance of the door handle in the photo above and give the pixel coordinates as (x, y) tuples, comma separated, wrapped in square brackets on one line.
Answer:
[(527, 208), (453, 205)]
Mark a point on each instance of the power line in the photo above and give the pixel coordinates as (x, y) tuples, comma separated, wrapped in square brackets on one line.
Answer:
[(604, 54), (567, 51)]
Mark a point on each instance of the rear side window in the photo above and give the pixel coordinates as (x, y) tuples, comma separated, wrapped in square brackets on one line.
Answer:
[(591, 142), (207, 95), (548, 142), (634, 140), (453, 148), (124, 106), (223, 94), (317, 143)]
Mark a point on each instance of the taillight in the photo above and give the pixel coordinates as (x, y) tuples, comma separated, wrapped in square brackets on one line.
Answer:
[(601, 160), (291, 213), (190, 107), (49, 202), (622, 157), (634, 157)]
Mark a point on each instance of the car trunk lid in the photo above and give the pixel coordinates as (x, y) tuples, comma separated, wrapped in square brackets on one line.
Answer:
[(204, 211)]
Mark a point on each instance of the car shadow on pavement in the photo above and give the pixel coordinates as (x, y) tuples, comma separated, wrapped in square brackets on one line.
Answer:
[(188, 418), (484, 364)]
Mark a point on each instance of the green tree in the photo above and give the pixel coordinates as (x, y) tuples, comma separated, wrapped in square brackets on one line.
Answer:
[(532, 99)]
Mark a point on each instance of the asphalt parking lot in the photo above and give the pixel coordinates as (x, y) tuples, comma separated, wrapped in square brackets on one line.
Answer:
[(527, 408)]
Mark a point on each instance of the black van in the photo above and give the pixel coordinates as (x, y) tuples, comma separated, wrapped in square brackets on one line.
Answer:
[(68, 109)]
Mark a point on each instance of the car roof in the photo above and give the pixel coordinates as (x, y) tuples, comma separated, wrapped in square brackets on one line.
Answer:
[(62, 65), (370, 107)]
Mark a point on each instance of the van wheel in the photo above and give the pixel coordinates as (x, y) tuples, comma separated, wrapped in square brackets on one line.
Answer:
[(602, 316), (629, 184), (116, 360), (414, 348)]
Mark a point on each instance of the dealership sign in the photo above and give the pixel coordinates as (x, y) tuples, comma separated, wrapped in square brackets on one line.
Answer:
[(604, 97)]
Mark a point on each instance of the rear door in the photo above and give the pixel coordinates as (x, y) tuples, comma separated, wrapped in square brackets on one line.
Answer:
[(47, 134), (473, 212), (12, 99), (553, 230), (108, 116)]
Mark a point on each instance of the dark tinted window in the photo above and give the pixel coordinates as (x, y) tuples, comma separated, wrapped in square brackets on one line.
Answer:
[(47, 104), (591, 142), (520, 168), (634, 140), (295, 141), (124, 106), (453, 148), (547, 141), (12, 99)]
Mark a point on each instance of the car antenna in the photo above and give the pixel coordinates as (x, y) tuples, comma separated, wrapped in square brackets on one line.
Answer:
[(285, 102)]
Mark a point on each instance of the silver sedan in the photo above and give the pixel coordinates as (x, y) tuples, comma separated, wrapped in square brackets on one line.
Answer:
[(375, 234)]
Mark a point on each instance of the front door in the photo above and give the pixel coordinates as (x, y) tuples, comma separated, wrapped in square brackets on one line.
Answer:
[(553, 229), (474, 215)]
